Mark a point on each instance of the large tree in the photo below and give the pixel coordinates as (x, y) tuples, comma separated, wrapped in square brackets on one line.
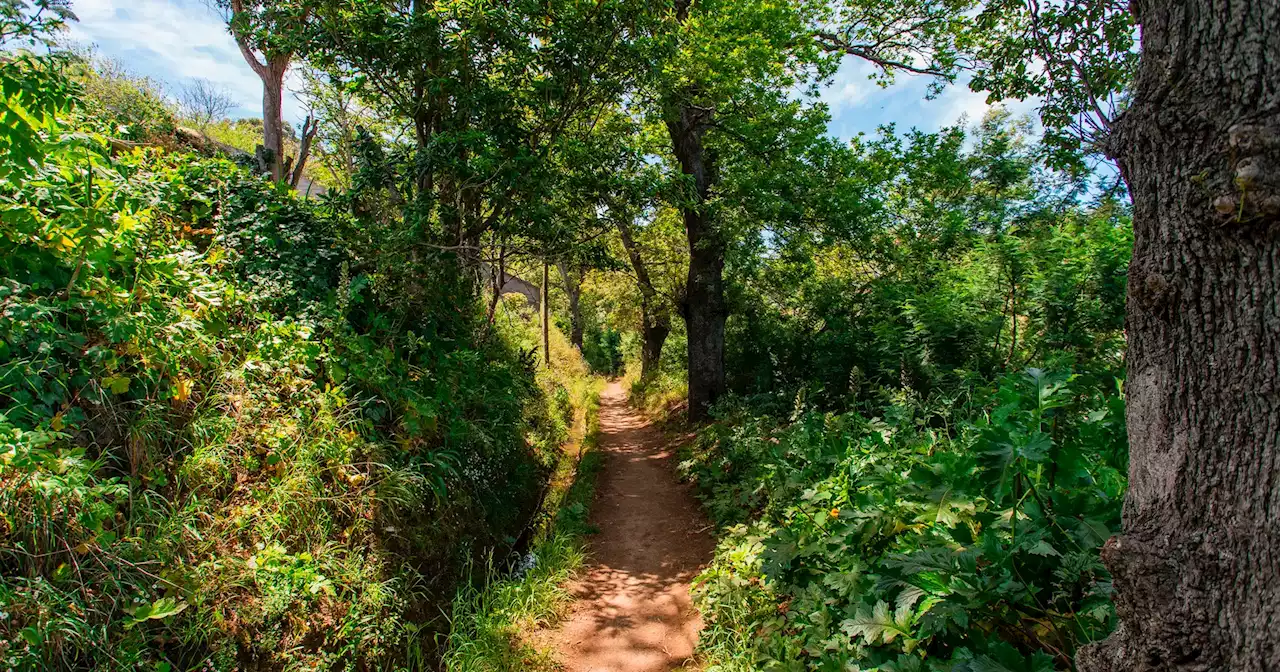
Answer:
[(730, 89), (269, 33), (484, 98), (1190, 119), (728, 59), (1197, 567)]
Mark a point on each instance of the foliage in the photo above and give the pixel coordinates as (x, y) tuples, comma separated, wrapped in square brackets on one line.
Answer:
[(222, 441), (32, 94), (33, 22), (120, 104), (892, 494), (1078, 56), (945, 534), (939, 263), (603, 350), (490, 625), (658, 395), (243, 134)]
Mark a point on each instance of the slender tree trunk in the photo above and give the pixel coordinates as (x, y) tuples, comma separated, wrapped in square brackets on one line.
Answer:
[(546, 315), (1197, 566), (573, 291), (272, 158), (499, 280), (657, 320), (309, 130), (704, 308)]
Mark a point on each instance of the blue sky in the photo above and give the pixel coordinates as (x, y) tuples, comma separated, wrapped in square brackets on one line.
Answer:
[(175, 41)]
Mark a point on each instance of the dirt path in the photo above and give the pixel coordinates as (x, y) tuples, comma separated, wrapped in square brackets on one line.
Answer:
[(632, 612)]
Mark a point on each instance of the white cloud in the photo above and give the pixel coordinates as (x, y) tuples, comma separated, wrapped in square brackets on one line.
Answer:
[(961, 103), (860, 105), (174, 41), (850, 87)]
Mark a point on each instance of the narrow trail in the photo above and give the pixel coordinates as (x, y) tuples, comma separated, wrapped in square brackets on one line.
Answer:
[(633, 612)]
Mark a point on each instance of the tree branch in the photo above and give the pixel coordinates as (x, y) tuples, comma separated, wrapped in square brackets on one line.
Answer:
[(830, 42), (258, 67)]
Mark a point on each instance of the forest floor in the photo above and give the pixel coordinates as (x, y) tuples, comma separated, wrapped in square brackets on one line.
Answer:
[(632, 611)]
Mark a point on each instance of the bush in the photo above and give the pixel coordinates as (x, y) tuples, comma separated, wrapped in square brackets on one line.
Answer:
[(957, 534), (221, 443), (121, 104), (603, 350)]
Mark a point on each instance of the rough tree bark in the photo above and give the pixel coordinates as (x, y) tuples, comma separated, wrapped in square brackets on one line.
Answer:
[(653, 312), (703, 306), (272, 158), (704, 309), (572, 290), (1197, 566)]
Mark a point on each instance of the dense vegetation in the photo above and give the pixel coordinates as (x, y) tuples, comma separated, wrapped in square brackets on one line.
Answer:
[(229, 437), (899, 485), (247, 429)]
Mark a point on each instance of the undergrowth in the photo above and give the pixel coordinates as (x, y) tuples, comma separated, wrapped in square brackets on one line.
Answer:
[(234, 434), (957, 533), (658, 395), (491, 623)]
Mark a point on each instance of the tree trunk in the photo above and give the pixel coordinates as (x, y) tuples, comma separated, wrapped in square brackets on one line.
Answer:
[(1197, 566), (546, 315), (704, 308), (573, 291), (309, 130), (656, 319), (272, 157), (655, 332), (271, 70)]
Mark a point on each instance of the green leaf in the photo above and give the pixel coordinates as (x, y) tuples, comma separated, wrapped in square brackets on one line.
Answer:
[(32, 636), (158, 610), (1043, 548), (878, 625), (1036, 447), (117, 384)]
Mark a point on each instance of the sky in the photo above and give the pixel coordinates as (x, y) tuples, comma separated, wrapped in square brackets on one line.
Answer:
[(176, 41)]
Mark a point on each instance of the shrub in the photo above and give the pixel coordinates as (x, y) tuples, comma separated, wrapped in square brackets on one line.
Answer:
[(121, 104), (939, 536), (221, 443)]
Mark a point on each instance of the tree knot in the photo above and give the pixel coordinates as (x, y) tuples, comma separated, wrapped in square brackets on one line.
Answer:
[(1256, 197), (1154, 291)]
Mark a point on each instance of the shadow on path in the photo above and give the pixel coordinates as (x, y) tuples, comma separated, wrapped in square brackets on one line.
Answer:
[(632, 612)]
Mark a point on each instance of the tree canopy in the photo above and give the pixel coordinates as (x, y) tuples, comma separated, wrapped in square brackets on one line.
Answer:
[(992, 396)]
